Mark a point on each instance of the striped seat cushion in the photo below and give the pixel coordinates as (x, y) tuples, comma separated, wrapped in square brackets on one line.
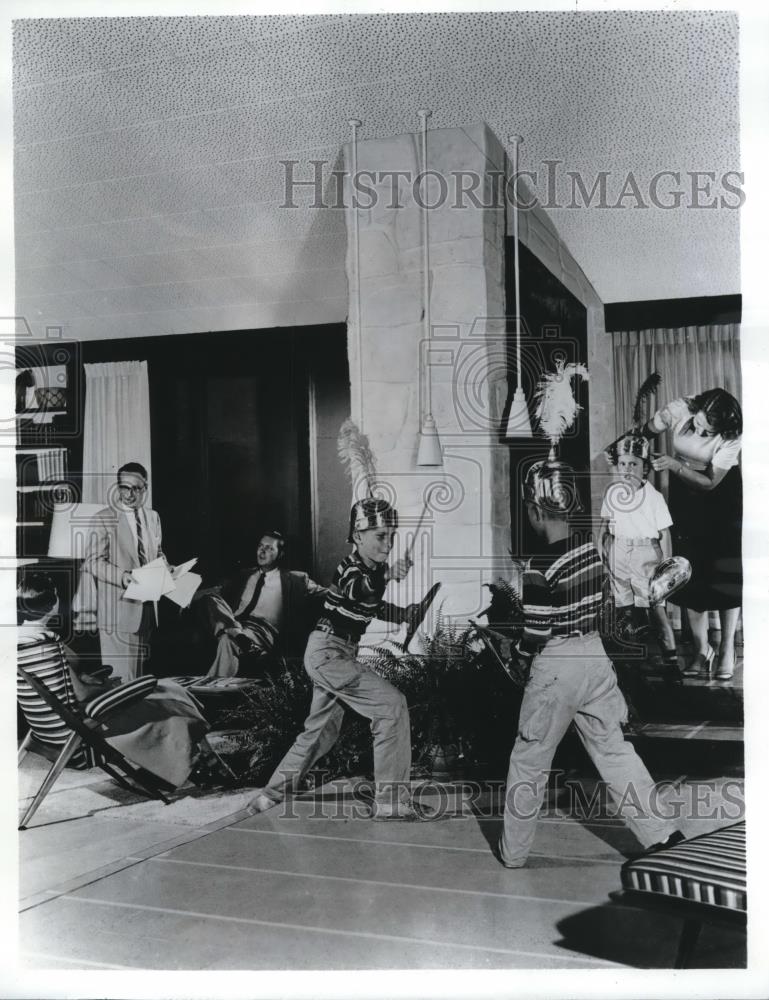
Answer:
[(45, 659), (187, 680), (709, 869), (120, 696)]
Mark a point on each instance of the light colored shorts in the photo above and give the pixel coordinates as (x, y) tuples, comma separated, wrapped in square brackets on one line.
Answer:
[(633, 562)]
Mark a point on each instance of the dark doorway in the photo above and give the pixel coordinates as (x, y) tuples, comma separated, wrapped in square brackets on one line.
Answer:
[(231, 447), (553, 326)]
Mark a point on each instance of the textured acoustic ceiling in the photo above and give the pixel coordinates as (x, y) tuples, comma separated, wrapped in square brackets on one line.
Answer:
[(147, 175)]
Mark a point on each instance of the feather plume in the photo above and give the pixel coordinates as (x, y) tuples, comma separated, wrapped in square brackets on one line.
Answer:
[(356, 456), (557, 408), (647, 389)]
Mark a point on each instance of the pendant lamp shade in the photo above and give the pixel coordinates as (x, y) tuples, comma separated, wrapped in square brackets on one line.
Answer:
[(430, 452), (518, 422)]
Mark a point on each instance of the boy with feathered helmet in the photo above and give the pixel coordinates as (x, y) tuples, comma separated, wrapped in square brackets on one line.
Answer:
[(635, 539), (339, 678), (570, 677)]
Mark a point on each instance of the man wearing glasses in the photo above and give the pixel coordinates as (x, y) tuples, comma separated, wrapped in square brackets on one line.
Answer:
[(123, 537)]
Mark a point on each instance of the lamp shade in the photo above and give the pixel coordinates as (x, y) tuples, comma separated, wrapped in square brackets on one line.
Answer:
[(70, 527), (518, 422), (429, 452)]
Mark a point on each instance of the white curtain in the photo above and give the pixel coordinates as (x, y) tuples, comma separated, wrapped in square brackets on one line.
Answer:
[(116, 425), (689, 359)]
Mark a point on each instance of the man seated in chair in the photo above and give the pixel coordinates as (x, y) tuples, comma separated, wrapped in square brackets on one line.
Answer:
[(262, 610)]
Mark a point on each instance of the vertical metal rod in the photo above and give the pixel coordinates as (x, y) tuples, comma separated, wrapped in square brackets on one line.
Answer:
[(424, 115), (516, 140), (355, 125)]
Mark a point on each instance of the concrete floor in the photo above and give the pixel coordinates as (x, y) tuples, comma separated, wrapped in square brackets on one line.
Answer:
[(110, 881), (316, 887)]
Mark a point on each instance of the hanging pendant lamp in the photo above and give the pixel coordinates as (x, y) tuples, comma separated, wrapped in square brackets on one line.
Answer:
[(518, 422), (429, 451)]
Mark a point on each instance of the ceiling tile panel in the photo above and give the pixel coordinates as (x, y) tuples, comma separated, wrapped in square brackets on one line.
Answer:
[(55, 49), (258, 258), (50, 279), (147, 149)]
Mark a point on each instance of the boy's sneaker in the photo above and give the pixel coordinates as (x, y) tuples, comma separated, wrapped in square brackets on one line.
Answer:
[(260, 803), (507, 864), (403, 812), (676, 837)]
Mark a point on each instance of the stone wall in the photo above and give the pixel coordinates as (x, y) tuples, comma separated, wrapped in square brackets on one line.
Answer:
[(464, 538)]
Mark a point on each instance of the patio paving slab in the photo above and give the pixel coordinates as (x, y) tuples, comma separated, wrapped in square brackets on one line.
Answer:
[(272, 892)]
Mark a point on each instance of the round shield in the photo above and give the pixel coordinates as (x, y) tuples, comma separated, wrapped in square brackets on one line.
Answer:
[(668, 577)]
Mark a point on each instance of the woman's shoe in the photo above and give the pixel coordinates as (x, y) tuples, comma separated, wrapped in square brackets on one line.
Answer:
[(701, 665), (725, 670)]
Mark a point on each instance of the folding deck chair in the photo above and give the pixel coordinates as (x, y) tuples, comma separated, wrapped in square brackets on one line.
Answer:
[(58, 724)]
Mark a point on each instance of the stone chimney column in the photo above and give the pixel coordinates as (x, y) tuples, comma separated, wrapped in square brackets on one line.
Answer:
[(464, 537)]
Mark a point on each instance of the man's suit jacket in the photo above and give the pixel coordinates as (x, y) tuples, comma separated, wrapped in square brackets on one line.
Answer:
[(302, 600), (111, 550)]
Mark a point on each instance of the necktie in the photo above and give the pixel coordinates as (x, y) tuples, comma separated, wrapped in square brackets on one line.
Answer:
[(254, 598), (140, 540)]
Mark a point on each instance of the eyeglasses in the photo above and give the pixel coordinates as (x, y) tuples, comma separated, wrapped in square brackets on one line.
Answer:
[(130, 490)]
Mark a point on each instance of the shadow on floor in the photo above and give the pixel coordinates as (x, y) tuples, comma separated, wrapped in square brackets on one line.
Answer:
[(647, 940)]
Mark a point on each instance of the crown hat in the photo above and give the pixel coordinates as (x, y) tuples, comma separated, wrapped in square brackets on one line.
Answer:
[(373, 512), (635, 444), (552, 485)]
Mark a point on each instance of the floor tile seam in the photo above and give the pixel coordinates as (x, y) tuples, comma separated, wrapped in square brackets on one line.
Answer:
[(377, 882), (77, 961), (78, 882), (579, 963), (332, 931), (602, 822), (432, 847), (121, 864)]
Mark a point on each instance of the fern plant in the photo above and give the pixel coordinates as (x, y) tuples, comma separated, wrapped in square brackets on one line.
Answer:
[(269, 718), (460, 704)]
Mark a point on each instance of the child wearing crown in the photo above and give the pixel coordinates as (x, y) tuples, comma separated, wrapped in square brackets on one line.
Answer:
[(570, 678), (339, 678), (635, 538)]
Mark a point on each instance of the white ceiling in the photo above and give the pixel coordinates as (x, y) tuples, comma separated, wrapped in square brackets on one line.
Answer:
[(147, 175)]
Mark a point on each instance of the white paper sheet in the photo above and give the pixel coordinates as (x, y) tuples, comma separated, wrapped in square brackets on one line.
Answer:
[(185, 589), (149, 582), (183, 568)]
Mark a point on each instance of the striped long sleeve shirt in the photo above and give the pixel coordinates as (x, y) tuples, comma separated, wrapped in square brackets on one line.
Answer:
[(562, 594), (355, 597)]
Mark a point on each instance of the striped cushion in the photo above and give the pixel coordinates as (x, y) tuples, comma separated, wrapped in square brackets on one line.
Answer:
[(45, 659), (187, 680), (119, 697), (707, 869)]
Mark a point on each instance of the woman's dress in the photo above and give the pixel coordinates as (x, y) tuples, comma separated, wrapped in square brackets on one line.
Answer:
[(707, 524)]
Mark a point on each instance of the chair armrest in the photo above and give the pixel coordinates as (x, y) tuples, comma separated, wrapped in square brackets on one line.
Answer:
[(119, 697)]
